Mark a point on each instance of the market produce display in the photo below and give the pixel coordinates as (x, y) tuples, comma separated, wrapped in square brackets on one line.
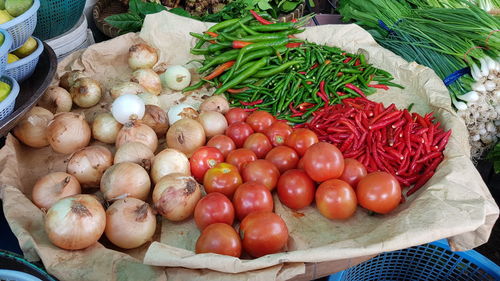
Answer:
[(9, 9)]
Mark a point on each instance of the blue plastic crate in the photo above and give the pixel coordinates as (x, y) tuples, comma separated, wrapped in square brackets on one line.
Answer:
[(4, 49), (24, 68), (22, 27), (429, 262)]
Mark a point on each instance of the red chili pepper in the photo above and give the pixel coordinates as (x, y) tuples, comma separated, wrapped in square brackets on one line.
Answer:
[(427, 176), (298, 114), (314, 66), (444, 141), (250, 109), (252, 103), (357, 62), (293, 45), (259, 18), (219, 70), (303, 125), (303, 72), (292, 109), (237, 91), (347, 60), (379, 86), (356, 89), (340, 74), (325, 99), (240, 44), (294, 20), (305, 106)]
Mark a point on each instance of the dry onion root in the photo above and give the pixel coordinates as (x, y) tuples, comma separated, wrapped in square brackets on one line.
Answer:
[(142, 56), (68, 132), (215, 103), (105, 128), (32, 129), (135, 152), (75, 222), (148, 79), (135, 131), (130, 223), (125, 180), (68, 79), (86, 92), (186, 135), (89, 163), (126, 88), (53, 187), (56, 99), (156, 118), (169, 161)]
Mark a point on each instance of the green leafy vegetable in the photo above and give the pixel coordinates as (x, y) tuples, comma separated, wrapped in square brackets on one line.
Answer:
[(494, 155)]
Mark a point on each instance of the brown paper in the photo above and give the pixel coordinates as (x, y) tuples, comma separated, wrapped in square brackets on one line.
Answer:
[(455, 203)]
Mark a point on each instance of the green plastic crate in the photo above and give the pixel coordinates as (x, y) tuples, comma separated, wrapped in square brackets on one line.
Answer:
[(57, 16)]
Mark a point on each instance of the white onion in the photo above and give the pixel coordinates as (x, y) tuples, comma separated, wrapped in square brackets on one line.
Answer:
[(89, 163), (490, 85), (142, 56), (68, 79), (175, 196), (176, 77), (215, 103), (126, 88), (179, 111), (125, 180), (130, 223), (169, 161), (86, 92), (68, 132), (475, 137), (128, 107), (471, 96), (134, 152), (490, 127), (75, 222), (186, 135), (478, 87), (148, 98), (148, 79), (214, 123), (32, 128), (105, 128), (53, 187), (156, 118), (136, 131), (56, 99)]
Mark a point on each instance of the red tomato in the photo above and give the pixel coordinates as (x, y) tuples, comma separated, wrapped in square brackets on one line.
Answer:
[(323, 161), (223, 178), (260, 120), (241, 157), (336, 199), (252, 197), (379, 192), (284, 157), (261, 171), (239, 132), (296, 189), (236, 114), (213, 208), (278, 132), (259, 144), (263, 233), (353, 172), (301, 139), (223, 143), (219, 238), (203, 159)]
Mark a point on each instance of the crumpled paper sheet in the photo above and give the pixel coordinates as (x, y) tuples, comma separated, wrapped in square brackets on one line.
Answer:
[(455, 203)]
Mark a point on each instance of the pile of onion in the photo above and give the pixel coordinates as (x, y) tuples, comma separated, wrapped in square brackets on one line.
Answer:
[(136, 131), (32, 129), (68, 132), (142, 56), (169, 161), (56, 99), (213, 122), (125, 180), (52, 187), (186, 135), (215, 103), (126, 88), (89, 163), (180, 111), (75, 222), (86, 92), (69, 78), (128, 108), (105, 128), (156, 118), (148, 79), (134, 152)]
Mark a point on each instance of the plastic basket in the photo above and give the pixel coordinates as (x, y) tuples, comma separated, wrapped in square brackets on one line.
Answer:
[(7, 105), (432, 261), (71, 38), (57, 16), (4, 50), (14, 267), (13, 275), (23, 68), (22, 27)]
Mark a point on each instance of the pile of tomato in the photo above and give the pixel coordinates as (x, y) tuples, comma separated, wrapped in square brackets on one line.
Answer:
[(259, 154)]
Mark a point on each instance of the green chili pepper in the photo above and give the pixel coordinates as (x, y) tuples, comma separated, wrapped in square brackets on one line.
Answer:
[(281, 68), (194, 87), (244, 75), (224, 24), (222, 58)]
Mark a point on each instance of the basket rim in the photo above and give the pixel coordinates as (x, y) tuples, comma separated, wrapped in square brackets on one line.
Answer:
[(14, 92), (18, 273), (38, 51), (7, 42), (31, 11), (81, 22)]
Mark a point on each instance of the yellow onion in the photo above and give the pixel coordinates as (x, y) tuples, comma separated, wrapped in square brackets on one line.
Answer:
[(125, 180), (169, 161), (105, 128), (148, 79), (135, 131), (86, 92), (142, 56), (53, 187), (134, 152), (130, 223), (89, 163), (68, 79), (32, 129), (213, 122), (76, 222), (156, 118), (215, 103), (56, 99), (68, 132), (175, 196), (126, 88), (186, 135)]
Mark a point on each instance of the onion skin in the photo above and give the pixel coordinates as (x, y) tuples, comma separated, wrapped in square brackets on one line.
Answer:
[(130, 223), (186, 135), (89, 163), (179, 111), (156, 118), (135, 131), (148, 79), (86, 92), (76, 222), (68, 79), (105, 128), (214, 123), (68, 132), (52, 187), (56, 99), (126, 88), (215, 103), (134, 152), (125, 180), (169, 161), (148, 98), (142, 56), (175, 196), (32, 128)]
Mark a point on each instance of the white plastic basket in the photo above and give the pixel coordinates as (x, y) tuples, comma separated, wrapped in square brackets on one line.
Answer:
[(13, 275), (71, 40), (7, 105), (23, 68), (22, 27), (4, 50)]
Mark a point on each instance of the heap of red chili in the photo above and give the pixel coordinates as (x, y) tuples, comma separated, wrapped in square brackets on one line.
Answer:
[(407, 145)]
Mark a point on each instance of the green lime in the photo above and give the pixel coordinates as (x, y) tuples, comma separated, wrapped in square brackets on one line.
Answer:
[(4, 90)]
